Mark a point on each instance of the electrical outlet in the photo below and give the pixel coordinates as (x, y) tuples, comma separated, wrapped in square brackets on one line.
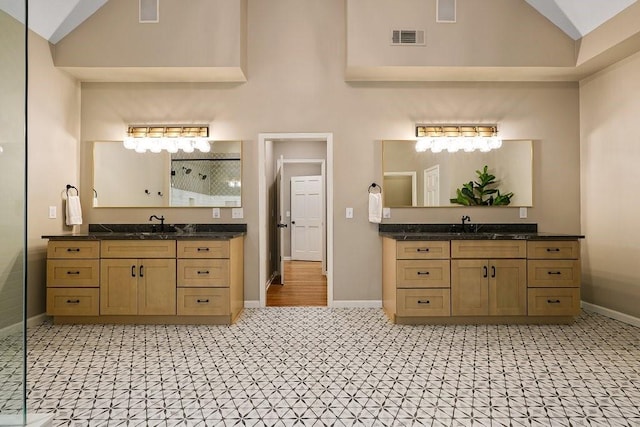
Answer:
[(386, 212), (53, 212), (523, 212), (237, 213), (349, 212), (215, 212)]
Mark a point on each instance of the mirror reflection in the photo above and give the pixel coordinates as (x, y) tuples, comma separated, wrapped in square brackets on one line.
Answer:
[(427, 179), (126, 178)]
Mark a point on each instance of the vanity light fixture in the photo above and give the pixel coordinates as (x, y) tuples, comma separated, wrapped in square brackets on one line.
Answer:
[(457, 137), (169, 138)]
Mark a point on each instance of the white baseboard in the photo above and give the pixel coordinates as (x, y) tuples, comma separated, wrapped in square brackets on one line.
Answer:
[(16, 328), (631, 320), (252, 304), (357, 304), (33, 420)]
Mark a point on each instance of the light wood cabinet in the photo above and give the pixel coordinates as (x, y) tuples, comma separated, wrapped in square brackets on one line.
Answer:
[(554, 278), (210, 278), (416, 279), (145, 281), (73, 271)]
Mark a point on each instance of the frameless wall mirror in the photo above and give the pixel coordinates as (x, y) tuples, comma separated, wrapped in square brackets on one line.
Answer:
[(427, 179), (126, 178)]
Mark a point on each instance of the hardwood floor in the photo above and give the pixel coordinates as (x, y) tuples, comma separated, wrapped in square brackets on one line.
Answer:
[(305, 285)]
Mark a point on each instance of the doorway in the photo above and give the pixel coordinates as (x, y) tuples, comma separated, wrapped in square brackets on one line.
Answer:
[(269, 255)]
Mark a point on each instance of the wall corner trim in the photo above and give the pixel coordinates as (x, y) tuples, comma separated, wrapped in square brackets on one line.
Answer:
[(626, 318)]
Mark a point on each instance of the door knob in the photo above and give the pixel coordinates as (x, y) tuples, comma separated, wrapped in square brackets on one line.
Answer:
[(282, 225)]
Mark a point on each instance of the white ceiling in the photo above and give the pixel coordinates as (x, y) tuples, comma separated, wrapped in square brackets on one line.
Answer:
[(54, 19)]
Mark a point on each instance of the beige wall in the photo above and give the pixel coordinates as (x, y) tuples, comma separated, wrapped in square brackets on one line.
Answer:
[(297, 85), (610, 155), (482, 35), (54, 131)]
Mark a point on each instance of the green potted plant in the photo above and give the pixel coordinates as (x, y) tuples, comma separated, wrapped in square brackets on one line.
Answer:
[(481, 192)]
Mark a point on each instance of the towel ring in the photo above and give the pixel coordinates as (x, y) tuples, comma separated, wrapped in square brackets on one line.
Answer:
[(69, 187), (373, 186)]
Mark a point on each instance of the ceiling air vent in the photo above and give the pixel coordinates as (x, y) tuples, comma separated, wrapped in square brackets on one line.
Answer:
[(408, 37)]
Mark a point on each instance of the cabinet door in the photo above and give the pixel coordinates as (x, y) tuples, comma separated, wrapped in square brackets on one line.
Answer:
[(157, 287), (469, 287), (118, 286), (508, 287)]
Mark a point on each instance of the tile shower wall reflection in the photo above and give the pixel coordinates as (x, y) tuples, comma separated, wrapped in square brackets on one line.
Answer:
[(211, 182)]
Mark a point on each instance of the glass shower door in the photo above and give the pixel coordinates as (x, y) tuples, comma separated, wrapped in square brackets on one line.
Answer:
[(12, 211)]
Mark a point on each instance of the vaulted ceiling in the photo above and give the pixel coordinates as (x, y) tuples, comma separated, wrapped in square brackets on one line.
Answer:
[(54, 19)]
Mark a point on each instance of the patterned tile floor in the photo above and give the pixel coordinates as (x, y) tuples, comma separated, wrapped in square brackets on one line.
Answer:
[(320, 366)]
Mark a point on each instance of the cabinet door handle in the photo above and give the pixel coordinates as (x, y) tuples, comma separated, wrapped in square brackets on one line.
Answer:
[(142, 271), (553, 301), (422, 250), (553, 249), (73, 249), (203, 272), (486, 271), (554, 272), (493, 271), (423, 273), (73, 272), (73, 301), (133, 271), (202, 301), (424, 302), (203, 249)]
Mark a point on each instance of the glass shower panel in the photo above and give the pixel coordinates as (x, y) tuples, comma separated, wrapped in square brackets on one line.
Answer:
[(12, 210)]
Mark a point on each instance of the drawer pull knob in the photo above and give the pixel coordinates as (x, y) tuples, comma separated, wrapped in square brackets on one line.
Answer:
[(203, 249), (424, 302), (422, 250), (73, 272), (203, 272), (553, 249), (73, 301), (423, 273), (202, 301), (554, 272), (73, 249), (553, 301)]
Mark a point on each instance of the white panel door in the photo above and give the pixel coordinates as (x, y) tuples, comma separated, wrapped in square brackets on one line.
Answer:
[(307, 202), (432, 186)]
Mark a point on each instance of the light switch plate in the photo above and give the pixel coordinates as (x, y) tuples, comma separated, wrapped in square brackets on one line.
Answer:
[(215, 212), (386, 212), (349, 212), (237, 213), (523, 212), (53, 212)]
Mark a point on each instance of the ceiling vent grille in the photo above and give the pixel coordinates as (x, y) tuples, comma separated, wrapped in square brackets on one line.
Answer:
[(408, 37)]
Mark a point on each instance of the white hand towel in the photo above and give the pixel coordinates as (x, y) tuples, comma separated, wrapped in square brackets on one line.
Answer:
[(375, 207), (74, 211)]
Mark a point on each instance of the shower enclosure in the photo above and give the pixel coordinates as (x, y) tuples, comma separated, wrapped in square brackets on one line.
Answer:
[(13, 67)]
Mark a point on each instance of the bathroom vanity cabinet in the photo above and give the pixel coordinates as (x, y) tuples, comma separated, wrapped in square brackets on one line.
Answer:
[(451, 278), (194, 280)]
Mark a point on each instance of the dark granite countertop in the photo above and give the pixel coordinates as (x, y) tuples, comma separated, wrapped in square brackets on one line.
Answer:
[(470, 232), (151, 232)]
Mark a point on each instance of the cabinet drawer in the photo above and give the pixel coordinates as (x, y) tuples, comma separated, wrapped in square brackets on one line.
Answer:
[(73, 273), (488, 249), (423, 274), (422, 250), (561, 249), (138, 248), (203, 249), (72, 302), (203, 272), (423, 302), (73, 249), (554, 301), (203, 302), (553, 273)]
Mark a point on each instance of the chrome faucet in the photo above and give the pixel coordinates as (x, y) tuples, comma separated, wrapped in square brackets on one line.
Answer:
[(159, 218)]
